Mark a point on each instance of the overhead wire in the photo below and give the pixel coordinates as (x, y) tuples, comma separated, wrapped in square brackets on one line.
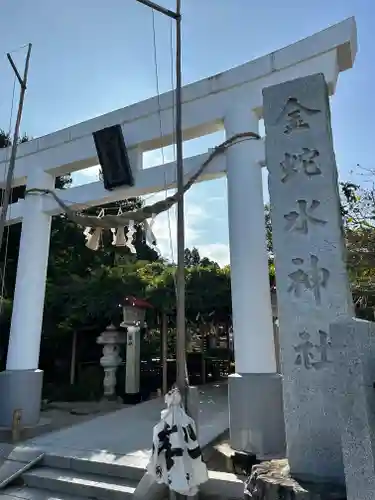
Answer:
[(18, 49), (161, 122)]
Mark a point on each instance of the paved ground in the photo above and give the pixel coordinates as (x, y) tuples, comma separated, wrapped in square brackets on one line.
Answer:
[(124, 437), (128, 432), (62, 415), (57, 416)]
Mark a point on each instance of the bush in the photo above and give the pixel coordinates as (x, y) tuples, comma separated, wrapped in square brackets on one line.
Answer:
[(88, 388)]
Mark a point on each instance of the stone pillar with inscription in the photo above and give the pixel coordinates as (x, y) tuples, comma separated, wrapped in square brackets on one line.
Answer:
[(133, 360), (311, 278)]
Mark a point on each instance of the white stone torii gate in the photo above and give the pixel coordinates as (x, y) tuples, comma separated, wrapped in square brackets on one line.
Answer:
[(231, 100)]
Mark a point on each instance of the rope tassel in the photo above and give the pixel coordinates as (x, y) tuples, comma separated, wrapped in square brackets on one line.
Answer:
[(129, 237), (120, 239), (149, 234), (93, 240), (113, 230)]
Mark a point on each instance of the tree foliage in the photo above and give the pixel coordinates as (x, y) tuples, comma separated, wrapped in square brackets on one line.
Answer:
[(268, 223), (358, 210), (358, 213)]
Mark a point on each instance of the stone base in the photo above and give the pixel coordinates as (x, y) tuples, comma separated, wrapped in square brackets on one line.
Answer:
[(20, 390), (27, 432), (149, 489), (271, 480), (256, 417)]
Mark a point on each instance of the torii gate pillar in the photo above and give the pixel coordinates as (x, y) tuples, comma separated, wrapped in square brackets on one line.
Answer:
[(255, 387), (22, 381)]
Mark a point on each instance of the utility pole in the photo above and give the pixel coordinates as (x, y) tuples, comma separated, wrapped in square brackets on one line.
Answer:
[(12, 160), (181, 378), (180, 274), (181, 321)]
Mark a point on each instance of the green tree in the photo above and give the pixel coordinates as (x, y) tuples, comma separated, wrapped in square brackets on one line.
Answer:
[(358, 209), (192, 257), (208, 294), (267, 219)]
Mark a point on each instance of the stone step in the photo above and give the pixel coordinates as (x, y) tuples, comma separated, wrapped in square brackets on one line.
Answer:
[(103, 464), (25, 493), (133, 468), (68, 482)]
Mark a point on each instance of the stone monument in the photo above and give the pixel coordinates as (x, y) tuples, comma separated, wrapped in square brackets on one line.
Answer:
[(312, 283)]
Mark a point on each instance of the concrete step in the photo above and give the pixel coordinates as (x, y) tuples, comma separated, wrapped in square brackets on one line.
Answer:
[(68, 482), (103, 464)]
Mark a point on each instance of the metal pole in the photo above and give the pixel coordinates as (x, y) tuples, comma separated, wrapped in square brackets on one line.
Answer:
[(12, 161), (181, 378), (180, 275)]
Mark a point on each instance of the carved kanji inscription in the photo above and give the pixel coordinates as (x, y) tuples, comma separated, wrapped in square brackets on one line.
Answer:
[(310, 355), (313, 280), (302, 162), (296, 116), (299, 220)]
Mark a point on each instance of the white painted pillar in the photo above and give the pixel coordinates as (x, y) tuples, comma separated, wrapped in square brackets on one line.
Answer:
[(28, 303), (251, 302)]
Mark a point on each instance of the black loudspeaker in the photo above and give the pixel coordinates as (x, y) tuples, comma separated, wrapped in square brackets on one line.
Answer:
[(113, 157)]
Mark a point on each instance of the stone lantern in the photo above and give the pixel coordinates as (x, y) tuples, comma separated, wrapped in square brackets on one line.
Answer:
[(111, 339), (134, 311)]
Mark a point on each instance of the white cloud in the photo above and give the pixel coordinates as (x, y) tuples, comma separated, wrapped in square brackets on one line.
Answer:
[(86, 176), (219, 252), (158, 157), (196, 221), (215, 199), (165, 229)]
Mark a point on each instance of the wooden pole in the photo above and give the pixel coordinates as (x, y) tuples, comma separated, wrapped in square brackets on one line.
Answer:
[(12, 161), (229, 352), (181, 367), (203, 353), (164, 352), (73, 359), (180, 275)]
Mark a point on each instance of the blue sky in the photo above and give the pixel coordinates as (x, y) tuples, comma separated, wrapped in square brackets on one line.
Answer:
[(90, 57)]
